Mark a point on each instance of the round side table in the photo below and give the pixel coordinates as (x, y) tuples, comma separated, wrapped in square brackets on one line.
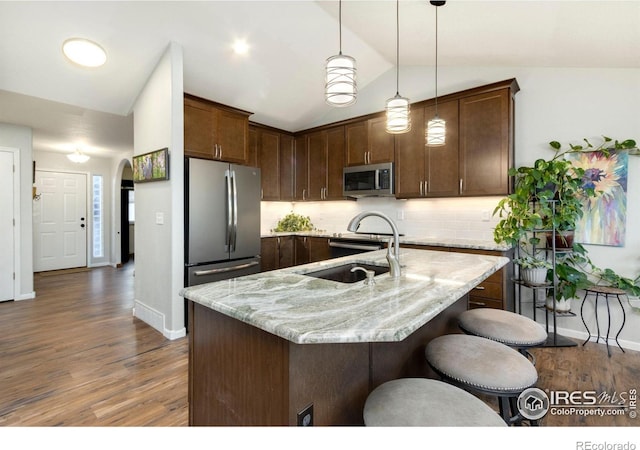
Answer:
[(606, 292)]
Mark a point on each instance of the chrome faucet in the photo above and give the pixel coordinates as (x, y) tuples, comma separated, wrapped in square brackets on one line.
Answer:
[(393, 257)]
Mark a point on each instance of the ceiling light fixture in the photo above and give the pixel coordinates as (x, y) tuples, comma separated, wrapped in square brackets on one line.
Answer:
[(240, 47), (84, 52), (436, 127), (78, 157), (340, 79), (398, 109)]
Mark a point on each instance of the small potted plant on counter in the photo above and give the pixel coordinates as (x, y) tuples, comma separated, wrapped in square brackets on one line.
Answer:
[(294, 222)]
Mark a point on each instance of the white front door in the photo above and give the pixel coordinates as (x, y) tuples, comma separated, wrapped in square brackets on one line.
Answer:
[(60, 221), (6, 226)]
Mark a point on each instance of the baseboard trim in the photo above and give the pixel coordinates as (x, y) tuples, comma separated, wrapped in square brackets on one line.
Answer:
[(28, 296), (582, 336), (155, 319)]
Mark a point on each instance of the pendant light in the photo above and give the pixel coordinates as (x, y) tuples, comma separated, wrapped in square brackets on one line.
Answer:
[(398, 109), (340, 79), (436, 127)]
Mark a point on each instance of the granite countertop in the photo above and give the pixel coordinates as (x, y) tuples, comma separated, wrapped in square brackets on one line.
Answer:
[(477, 244), (308, 310)]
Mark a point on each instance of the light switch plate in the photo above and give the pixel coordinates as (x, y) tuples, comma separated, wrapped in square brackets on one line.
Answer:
[(159, 218)]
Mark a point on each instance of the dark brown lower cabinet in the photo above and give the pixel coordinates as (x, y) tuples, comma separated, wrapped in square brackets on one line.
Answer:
[(241, 375), (286, 251)]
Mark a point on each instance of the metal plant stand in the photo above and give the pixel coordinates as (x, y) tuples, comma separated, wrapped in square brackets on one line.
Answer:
[(547, 289)]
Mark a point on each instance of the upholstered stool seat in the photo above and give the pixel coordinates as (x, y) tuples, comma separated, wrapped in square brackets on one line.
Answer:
[(423, 402), (484, 366), (505, 327)]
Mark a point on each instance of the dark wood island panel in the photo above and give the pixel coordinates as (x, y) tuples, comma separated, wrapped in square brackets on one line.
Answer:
[(241, 375)]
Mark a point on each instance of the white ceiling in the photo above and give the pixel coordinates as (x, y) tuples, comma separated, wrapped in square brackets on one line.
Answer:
[(281, 79)]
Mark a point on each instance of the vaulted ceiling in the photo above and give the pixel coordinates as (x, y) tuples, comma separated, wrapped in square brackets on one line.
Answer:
[(281, 78)]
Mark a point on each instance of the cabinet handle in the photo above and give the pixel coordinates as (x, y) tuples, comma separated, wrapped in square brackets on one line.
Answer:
[(369, 157), (422, 189), (426, 188), (304, 194), (461, 185), (479, 288), (261, 194), (220, 155), (477, 303)]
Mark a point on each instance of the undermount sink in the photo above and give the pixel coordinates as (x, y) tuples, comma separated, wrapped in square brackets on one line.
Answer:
[(343, 273)]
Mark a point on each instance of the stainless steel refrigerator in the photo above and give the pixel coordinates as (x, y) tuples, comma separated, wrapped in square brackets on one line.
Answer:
[(222, 221)]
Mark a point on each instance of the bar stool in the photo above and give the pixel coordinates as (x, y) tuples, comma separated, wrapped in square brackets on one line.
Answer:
[(423, 402), (484, 366), (506, 327), (606, 292)]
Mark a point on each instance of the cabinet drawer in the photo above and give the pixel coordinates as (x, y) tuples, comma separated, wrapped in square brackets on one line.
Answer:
[(496, 277), (482, 302), (488, 290)]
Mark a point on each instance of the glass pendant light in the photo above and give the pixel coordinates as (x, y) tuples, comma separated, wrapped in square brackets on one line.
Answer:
[(78, 157), (436, 127), (398, 108), (340, 79)]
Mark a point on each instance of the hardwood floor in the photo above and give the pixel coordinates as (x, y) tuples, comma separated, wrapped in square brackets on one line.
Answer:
[(75, 356)]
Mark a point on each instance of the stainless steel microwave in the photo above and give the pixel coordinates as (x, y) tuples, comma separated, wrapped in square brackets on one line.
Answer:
[(371, 180)]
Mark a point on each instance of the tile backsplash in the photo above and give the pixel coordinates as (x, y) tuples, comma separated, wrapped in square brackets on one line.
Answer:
[(459, 218)]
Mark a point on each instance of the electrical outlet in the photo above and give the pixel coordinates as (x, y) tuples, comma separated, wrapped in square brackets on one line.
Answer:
[(305, 417), (485, 215), (400, 214)]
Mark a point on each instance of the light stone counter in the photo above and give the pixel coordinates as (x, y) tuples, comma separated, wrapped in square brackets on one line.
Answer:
[(308, 310)]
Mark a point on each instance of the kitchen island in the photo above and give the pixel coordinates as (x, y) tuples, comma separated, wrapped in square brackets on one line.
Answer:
[(266, 349)]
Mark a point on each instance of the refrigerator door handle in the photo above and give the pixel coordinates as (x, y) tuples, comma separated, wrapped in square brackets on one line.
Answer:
[(200, 273), (227, 176), (234, 230)]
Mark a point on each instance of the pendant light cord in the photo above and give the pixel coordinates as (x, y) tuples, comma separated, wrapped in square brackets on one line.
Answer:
[(397, 47), (340, 24), (436, 61)]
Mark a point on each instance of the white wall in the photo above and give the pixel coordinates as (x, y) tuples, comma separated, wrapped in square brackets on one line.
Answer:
[(563, 104), (158, 123), (21, 137), (55, 161)]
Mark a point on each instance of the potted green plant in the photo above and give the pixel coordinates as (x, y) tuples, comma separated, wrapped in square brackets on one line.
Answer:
[(571, 272), (294, 222), (533, 270), (548, 196)]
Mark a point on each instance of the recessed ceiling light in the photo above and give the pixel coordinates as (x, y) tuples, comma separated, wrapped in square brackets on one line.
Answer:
[(84, 52), (241, 47)]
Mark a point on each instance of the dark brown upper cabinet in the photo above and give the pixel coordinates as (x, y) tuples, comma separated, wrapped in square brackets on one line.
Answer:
[(423, 171), (367, 142), (479, 145), (214, 131), (324, 150)]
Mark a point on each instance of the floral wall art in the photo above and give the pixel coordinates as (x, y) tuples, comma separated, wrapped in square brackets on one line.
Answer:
[(605, 215)]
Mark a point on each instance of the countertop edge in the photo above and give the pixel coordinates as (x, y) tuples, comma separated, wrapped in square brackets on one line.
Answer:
[(474, 244)]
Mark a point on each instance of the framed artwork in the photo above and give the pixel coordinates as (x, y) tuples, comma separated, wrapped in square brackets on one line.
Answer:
[(605, 215), (152, 166)]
